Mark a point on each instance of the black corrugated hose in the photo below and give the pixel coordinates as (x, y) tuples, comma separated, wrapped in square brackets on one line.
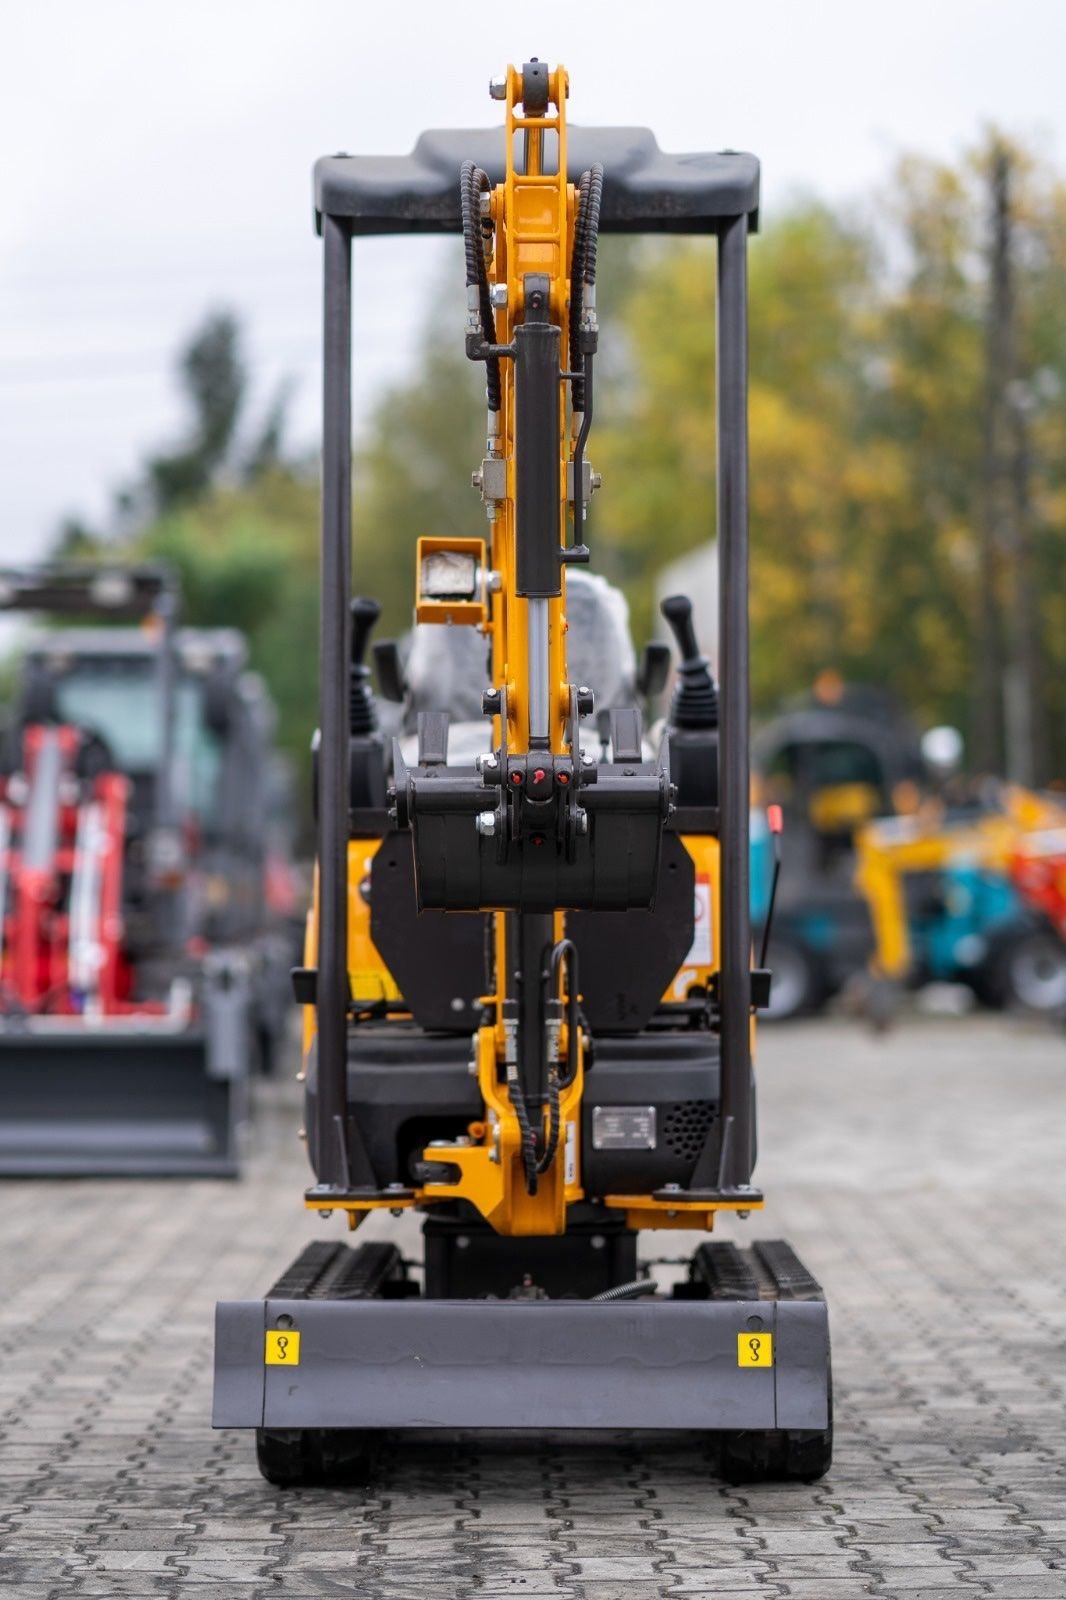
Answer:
[(473, 182), (525, 1128), (583, 267)]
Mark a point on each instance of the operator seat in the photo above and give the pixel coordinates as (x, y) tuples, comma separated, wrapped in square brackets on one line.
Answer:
[(447, 667)]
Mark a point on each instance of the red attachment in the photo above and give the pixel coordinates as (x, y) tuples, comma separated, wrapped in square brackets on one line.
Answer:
[(563, 777), (775, 818), (516, 777), (1039, 874), (75, 829), (539, 775)]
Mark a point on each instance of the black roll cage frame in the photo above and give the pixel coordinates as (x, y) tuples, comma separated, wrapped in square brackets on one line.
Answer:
[(405, 197)]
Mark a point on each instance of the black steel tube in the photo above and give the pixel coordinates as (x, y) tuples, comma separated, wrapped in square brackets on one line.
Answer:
[(732, 447), (165, 610), (530, 933), (579, 453), (537, 460), (334, 655)]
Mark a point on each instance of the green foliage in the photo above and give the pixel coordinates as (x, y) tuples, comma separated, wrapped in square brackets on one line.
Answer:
[(412, 474), (212, 376), (248, 558), (867, 358)]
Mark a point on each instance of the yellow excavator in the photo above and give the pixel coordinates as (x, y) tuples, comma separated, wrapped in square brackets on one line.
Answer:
[(528, 985), (961, 889)]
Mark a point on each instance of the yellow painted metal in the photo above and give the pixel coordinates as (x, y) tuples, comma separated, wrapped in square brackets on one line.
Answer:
[(702, 961), (369, 977), (533, 215), (492, 1177), (459, 610), (641, 1211), (843, 807)]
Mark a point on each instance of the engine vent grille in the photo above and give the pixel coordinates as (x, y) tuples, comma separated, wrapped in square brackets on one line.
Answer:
[(685, 1127)]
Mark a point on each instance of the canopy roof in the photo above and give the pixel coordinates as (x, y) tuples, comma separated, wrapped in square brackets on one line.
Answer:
[(645, 190)]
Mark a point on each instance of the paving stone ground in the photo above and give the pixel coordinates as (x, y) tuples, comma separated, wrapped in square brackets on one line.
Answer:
[(921, 1177)]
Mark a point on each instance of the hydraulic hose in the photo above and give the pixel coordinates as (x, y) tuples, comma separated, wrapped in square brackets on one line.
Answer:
[(583, 329), (583, 269), (566, 950), (473, 183), (530, 1164), (629, 1291), (551, 1143)]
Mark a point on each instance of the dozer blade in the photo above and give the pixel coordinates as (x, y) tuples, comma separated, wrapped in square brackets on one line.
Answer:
[(115, 1104)]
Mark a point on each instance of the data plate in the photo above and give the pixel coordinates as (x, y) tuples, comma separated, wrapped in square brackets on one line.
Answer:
[(623, 1127)]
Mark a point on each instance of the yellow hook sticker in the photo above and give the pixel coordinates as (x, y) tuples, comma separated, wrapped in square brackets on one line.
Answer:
[(755, 1349), (282, 1348)]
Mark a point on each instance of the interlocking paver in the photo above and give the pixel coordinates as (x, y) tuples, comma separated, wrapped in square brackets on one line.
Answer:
[(892, 1165)]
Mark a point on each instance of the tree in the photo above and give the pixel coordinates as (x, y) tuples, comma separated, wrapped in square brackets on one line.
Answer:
[(213, 379)]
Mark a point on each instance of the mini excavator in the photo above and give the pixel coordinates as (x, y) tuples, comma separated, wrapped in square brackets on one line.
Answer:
[(142, 965), (517, 1026)]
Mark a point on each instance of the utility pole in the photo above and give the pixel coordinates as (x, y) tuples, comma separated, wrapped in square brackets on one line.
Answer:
[(1007, 676), (1026, 747), (988, 665)]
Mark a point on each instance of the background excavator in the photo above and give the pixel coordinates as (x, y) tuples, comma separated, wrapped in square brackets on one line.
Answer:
[(518, 1026), (143, 950)]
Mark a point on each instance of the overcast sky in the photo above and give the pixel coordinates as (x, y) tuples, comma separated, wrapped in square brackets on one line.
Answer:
[(156, 162)]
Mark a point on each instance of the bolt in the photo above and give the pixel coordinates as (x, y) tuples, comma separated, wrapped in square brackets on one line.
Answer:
[(325, 1213), (582, 821), (743, 1215), (596, 480), (486, 762), (476, 479), (672, 1188), (498, 295), (486, 822), (497, 88)]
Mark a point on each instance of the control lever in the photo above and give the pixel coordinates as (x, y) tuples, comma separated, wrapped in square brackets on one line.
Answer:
[(362, 715), (695, 701)]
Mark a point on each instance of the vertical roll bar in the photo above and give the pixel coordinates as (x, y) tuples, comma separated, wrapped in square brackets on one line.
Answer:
[(331, 1000), (732, 449), (165, 611)]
